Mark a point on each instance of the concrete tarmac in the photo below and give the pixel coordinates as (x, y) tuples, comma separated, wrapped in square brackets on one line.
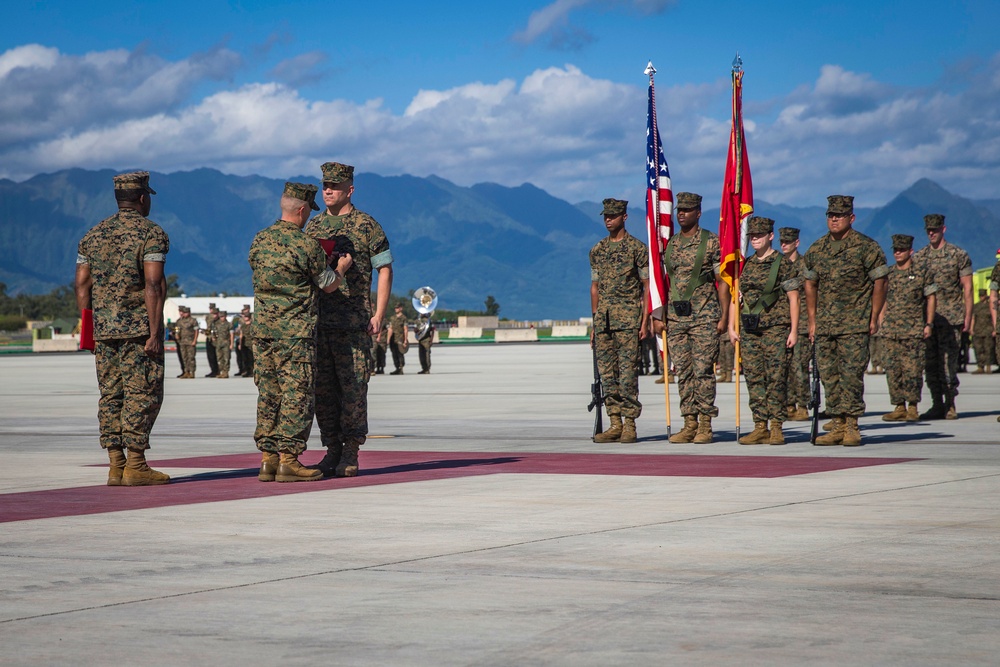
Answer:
[(487, 529)]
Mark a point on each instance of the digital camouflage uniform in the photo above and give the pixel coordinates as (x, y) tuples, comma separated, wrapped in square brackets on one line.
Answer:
[(287, 267), (845, 272), (766, 357), (995, 287), (948, 265), (343, 342), (799, 393), (619, 269), (902, 327), (982, 332), (693, 341), (425, 344), (187, 331), (221, 328), (130, 381), (397, 325)]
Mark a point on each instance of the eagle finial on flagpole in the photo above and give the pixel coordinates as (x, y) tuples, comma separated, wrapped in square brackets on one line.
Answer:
[(650, 70), (737, 63)]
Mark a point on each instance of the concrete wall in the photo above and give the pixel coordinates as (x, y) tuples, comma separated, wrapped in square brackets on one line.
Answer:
[(464, 332), (562, 330), (516, 335), (58, 343)]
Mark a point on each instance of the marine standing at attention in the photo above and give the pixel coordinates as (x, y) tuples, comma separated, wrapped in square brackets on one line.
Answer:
[(904, 324), (187, 340), (346, 321), (289, 270), (769, 315), (119, 274), (222, 334), (799, 394), (845, 290), (619, 289), (698, 312), (397, 339), (982, 334), (952, 272)]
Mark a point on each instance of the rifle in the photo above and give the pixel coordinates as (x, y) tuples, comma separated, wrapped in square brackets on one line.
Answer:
[(814, 386), (597, 392)]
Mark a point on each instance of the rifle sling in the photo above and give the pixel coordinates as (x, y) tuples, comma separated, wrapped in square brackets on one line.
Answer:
[(697, 279), (770, 294)]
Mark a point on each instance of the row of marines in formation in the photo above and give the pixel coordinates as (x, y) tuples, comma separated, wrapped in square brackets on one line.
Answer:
[(223, 337), (312, 326), (831, 300)]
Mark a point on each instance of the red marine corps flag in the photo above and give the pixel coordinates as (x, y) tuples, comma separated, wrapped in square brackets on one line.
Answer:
[(737, 191), (659, 206)]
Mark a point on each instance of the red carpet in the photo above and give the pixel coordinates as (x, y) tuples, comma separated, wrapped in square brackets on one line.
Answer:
[(236, 478)]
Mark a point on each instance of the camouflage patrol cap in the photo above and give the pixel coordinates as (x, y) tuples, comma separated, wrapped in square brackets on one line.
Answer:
[(303, 192), (933, 221), (840, 205), (788, 234), (246, 306), (134, 180), (758, 225), (688, 200), (614, 206), (902, 242), (399, 304), (211, 306), (222, 313), (183, 309), (335, 172)]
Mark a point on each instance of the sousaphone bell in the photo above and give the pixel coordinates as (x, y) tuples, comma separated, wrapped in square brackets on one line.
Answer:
[(425, 300)]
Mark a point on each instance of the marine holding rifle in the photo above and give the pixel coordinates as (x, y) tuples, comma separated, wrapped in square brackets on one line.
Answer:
[(697, 313), (619, 274), (845, 291), (768, 331)]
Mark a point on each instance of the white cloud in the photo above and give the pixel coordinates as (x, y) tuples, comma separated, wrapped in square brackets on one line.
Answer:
[(552, 22), (576, 136)]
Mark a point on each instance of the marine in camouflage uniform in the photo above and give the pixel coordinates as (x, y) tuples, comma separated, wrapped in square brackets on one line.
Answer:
[(246, 342), (845, 290), (213, 363), (119, 275), (380, 344), (619, 274), (799, 393), (346, 321), (397, 337), (697, 313), (425, 344), (982, 334), (952, 271), (769, 294), (727, 359), (289, 270), (222, 336), (904, 325), (994, 306), (187, 338)]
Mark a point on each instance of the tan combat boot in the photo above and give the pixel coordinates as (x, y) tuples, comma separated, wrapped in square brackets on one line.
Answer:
[(268, 466), (758, 436), (138, 473), (911, 413), (223, 375), (328, 466), (687, 433), (727, 375), (116, 460), (951, 413), (614, 432), (801, 415), (290, 470), (833, 424), (897, 415), (777, 436), (852, 436), (628, 431), (836, 434), (348, 465), (704, 434), (661, 379)]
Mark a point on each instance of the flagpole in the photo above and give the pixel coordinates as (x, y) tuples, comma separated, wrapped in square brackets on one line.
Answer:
[(650, 71), (737, 146)]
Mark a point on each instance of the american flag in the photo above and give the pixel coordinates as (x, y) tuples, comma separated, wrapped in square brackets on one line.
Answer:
[(659, 206)]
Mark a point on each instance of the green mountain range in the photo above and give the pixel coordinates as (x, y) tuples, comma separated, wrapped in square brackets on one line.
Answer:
[(521, 245)]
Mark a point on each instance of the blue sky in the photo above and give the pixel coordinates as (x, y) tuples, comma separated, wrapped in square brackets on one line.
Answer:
[(848, 96)]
